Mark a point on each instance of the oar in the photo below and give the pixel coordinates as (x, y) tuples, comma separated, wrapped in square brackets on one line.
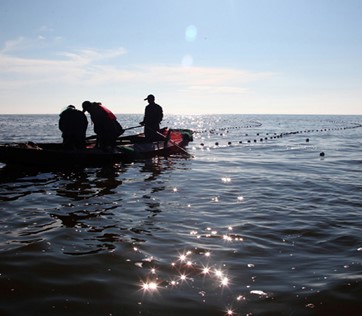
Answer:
[(125, 129), (171, 141), (91, 137)]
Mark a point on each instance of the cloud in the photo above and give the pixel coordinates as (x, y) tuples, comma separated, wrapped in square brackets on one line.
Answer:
[(32, 61), (87, 56), (92, 67), (70, 68), (200, 79), (33, 67), (219, 89), (17, 44)]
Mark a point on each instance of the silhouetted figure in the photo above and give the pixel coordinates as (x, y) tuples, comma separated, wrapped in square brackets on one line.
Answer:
[(73, 123), (152, 119), (105, 123)]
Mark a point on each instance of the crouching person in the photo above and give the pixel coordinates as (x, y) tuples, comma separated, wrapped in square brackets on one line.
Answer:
[(73, 123)]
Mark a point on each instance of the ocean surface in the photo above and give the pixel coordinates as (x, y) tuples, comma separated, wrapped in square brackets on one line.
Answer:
[(265, 218)]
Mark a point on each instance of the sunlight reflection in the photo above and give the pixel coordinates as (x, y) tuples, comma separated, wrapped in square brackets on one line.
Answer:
[(258, 292), (195, 269), (183, 277), (225, 281), (241, 298), (212, 233), (206, 270), (218, 273), (229, 312), (149, 286), (226, 237), (226, 180)]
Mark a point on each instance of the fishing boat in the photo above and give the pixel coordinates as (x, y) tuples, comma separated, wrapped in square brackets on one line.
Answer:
[(129, 148)]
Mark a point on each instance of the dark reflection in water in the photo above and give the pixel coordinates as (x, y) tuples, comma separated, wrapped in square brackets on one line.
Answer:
[(98, 205), (152, 166), (92, 202), (86, 184)]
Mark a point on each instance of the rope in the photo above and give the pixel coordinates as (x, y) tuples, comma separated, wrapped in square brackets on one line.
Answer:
[(222, 130), (272, 136)]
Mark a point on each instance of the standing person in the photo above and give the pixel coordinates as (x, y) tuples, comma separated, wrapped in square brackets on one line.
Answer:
[(105, 123), (73, 123), (152, 119)]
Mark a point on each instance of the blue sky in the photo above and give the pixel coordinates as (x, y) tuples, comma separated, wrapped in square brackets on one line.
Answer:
[(198, 56)]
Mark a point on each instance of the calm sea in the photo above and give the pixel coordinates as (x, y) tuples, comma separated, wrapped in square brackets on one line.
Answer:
[(257, 222)]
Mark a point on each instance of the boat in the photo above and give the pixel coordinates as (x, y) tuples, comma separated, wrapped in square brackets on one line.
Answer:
[(129, 148)]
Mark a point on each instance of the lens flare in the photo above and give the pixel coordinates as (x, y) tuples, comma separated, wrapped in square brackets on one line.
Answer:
[(191, 33), (187, 61)]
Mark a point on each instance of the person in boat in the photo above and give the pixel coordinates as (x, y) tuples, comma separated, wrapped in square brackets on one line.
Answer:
[(105, 123), (152, 118), (73, 123)]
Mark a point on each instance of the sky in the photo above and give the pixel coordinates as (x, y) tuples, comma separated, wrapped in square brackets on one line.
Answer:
[(195, 56)]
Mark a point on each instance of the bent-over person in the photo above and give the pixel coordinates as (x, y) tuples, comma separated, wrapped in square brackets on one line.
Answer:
[(105, 123)]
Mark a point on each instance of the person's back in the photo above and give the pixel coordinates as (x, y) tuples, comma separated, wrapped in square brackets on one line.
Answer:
[(153, 115), (73, 124), (105, 123)]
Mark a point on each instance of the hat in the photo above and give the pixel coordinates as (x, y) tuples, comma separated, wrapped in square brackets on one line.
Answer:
[(150, 96)]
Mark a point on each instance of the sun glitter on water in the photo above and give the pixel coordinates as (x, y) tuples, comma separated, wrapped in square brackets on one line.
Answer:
[(149, 286)]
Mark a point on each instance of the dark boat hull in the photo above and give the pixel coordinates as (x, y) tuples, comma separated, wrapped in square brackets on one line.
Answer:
[(128, 149)]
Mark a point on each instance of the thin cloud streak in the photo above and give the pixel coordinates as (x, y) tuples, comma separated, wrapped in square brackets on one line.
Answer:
[(85, 68)]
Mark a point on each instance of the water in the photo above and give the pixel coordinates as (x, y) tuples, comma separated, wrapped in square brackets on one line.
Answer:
[(256, 223)]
